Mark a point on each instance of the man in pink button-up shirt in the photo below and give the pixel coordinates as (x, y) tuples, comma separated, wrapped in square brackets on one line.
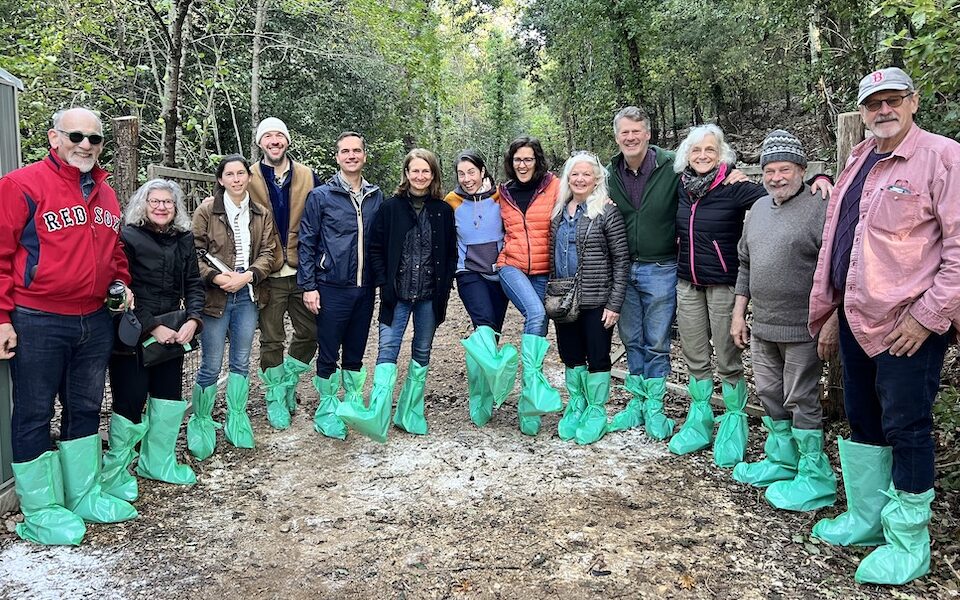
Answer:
[(890, 261)]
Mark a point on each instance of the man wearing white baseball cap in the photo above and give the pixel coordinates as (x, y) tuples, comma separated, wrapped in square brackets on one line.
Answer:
[(890, 260), (282, 185)]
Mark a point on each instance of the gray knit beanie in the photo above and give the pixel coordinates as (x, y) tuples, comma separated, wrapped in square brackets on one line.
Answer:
[(782, 145)]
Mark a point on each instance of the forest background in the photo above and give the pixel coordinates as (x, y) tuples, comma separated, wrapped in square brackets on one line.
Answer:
[(450, 74)]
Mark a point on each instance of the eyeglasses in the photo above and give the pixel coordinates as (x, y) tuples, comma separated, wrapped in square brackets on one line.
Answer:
[(157, 203), (874, 105), (523, 161), (76, 137)]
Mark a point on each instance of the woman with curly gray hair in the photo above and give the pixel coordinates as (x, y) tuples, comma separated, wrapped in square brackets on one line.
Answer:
[(158, 241)]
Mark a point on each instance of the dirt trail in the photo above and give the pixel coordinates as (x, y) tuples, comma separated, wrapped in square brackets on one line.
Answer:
[(460, 513)]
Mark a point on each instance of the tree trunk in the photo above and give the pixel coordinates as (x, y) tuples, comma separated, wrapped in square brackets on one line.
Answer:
[(171, 88), (255, 77), (126, 135)]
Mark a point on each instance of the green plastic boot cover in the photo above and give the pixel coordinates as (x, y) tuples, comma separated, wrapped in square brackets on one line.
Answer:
[(39, 485)]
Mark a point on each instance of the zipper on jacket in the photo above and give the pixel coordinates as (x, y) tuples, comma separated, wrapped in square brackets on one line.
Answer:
[(723, 263), (359, 208), (693, 212)]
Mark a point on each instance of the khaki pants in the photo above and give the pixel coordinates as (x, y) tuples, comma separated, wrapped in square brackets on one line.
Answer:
[(787, 376), (703, 315), (286, 297)]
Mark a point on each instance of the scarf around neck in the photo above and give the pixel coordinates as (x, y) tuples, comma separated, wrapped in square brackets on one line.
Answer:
[(697, 185)]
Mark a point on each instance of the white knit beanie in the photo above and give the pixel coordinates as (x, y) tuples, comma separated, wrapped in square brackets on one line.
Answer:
[(272, 124)]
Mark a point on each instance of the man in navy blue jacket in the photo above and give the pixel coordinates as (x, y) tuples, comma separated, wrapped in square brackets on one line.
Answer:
[(335, 276)]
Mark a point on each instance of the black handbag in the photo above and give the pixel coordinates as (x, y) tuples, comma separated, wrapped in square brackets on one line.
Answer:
[(154, 353), (562, 300)]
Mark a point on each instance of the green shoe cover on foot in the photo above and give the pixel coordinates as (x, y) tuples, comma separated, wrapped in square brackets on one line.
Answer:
[(576, 381), (158, 452), (815, 485), (325, 419), (906, 554), (274, 380), (201, 428), (696, 433), (237, 428), (781, 458), (293, 369), (632, 415), (658, 426), (409, 416), (80, 461), (529, 425), (372, 421), (730, 443), (538, 397), (498, 366), (115, 477), (479, 393), (39, 485), (867, 475), (593, 422)]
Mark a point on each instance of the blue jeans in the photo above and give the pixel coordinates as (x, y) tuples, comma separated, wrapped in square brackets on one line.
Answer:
[(240, 321), (57, 355), (889, 402), (647, 316), (527, 292), (484, 300), (424, 326)]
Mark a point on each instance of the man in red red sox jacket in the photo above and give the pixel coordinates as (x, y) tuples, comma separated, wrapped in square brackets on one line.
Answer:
[(59, 252)]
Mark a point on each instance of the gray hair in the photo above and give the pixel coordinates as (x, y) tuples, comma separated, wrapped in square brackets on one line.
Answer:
[(58, 116), (634, 113), (136, 213), (597, 200), (696, 135)]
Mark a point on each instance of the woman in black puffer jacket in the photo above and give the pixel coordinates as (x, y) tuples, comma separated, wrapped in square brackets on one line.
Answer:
[(709, 223), (588, 232), (165, 279)]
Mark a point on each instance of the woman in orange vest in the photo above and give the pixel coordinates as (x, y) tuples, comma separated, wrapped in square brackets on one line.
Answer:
[(526, 200)]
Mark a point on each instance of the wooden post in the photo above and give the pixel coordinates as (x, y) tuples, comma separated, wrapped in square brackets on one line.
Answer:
[(126, 161), (850, 132)]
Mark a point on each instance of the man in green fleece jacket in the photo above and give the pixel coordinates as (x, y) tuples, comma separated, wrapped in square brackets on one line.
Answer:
[(644, 188)]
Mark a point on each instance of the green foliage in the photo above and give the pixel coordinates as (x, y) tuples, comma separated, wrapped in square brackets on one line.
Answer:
[(930, 44)]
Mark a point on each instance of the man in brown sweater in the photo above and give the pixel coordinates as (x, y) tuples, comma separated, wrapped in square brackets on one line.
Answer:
[(281, 185)]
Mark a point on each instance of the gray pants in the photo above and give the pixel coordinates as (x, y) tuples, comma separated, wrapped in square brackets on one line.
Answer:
[(787, 377), (703, 315)]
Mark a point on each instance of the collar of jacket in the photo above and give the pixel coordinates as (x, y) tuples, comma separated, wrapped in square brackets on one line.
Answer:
[(71, 173), (908, 145), (366, 188), (505, 193), (219, 208)]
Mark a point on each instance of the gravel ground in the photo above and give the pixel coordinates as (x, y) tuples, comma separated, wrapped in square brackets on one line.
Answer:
[(460, 513)]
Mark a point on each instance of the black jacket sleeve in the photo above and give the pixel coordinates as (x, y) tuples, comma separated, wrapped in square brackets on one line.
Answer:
[(193, 289)]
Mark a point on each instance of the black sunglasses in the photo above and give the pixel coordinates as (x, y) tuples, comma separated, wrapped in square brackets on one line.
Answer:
[(76, 137)]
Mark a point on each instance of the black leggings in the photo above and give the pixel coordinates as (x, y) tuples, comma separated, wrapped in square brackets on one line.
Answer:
[(585, 341), (131, 382)]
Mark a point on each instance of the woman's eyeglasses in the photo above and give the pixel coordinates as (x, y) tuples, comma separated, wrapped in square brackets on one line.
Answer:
[(158, 203)]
